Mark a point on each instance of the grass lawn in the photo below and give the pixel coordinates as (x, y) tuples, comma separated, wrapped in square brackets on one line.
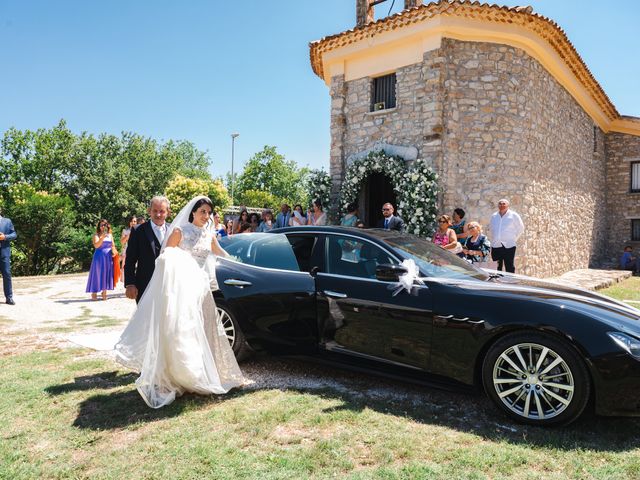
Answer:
[(70, 413), (627, 290)]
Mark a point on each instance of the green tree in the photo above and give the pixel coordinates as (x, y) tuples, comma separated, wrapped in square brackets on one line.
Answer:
[(44, 223), (181, 190), (258, 198), (268, 171)]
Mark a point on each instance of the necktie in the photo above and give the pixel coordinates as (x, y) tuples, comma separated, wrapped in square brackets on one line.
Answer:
[(386, 224), (161, 234)]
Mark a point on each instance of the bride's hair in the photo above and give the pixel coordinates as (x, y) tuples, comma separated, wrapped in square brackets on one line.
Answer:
[(197, 205)]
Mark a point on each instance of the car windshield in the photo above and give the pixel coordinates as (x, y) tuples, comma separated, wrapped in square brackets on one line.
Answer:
[(432, 260), (261, 250)]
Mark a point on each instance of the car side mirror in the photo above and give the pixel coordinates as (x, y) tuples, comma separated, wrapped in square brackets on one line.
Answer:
[(387, 272)]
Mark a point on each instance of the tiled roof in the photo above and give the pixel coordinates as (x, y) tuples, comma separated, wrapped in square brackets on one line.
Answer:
[(542, 26)]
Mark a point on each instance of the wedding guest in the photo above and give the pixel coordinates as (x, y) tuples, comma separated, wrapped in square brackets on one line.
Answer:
[(506, 227), (628, 261), (245, 227), (229, 228), (101, 271), (267, 223), (476, 247), (298, 218), (242, 218), (389, 220), (7, 234), (282, 219), (445, 237), (218, 227), (132, 221), (144, 246), (254, 220), (317, 215), (459, 224), (351, 218)]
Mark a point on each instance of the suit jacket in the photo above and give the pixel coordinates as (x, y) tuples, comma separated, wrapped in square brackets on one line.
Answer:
[(6, 227), (142, 250), (395, 223), (283, 220)]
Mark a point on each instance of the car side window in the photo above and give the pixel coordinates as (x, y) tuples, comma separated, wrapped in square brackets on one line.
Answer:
[(354, 258), (302, 246), (268, 250)]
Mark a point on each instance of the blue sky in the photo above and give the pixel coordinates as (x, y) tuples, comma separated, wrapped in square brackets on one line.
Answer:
[(200, 70)]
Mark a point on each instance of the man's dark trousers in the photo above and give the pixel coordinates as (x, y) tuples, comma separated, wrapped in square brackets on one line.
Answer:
[(505, 257), (5, 270)]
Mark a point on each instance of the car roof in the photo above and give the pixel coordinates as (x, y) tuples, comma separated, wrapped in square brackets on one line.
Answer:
[(376, 234)]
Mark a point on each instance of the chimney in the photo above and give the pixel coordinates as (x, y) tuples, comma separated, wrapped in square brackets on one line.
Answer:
[(412, 3), (364, 12)]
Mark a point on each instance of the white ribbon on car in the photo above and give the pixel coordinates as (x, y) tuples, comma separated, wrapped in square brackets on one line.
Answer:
[(407, 280)]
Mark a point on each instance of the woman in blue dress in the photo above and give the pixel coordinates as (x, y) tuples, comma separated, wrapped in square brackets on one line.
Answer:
[(101, 271)]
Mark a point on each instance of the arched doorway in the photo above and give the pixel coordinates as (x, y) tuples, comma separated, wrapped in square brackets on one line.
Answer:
[(378, 190)]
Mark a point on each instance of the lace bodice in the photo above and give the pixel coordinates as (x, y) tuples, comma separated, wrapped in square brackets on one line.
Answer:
[(196, 241)]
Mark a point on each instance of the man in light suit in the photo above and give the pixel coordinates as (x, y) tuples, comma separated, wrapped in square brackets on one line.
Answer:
[(7, 234), (390, 221), (282, 219)]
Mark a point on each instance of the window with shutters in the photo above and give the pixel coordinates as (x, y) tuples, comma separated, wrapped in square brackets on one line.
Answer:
[(635, 230), (635, 177), (383, 95)]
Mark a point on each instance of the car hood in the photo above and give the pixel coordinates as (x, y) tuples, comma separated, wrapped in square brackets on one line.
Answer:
[(617, 314)]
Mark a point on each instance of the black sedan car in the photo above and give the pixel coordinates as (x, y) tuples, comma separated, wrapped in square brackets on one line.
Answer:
[(541, 351)]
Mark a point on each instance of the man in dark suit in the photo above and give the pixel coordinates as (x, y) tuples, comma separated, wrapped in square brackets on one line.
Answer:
[(7, 234), (144, 247), (390, 221), (282, 219)]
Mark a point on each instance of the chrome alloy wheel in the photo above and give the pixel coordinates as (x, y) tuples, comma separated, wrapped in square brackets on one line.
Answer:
[(533, 381), (227, 324)]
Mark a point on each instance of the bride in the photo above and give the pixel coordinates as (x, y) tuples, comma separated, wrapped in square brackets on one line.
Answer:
[(174, 338)]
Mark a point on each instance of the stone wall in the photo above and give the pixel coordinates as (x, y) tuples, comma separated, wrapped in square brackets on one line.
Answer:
[(622, 206), (493, 123), (415, 121), (513, 131)]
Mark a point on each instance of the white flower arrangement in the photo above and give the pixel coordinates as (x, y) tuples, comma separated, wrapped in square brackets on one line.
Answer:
[(319, 186), (415, 188)]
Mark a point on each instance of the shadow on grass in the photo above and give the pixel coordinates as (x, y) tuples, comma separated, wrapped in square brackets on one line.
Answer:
[(468, 413), (114, 409), (105, 380)]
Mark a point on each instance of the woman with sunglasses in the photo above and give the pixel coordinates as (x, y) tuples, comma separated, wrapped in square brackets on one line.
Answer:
[(445, 237)]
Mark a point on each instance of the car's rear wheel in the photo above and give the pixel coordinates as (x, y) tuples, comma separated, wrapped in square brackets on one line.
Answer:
[(232, 329), (536, 379)]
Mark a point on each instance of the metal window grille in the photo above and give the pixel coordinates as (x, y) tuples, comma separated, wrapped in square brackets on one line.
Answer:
[(635, 230), (635, 176), (384, 92)]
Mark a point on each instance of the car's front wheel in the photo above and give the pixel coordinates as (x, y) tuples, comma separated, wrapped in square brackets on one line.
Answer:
[(536, 378), (232, 329)]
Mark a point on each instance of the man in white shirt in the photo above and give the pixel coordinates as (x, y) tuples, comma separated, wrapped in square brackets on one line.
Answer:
[(506, 227)]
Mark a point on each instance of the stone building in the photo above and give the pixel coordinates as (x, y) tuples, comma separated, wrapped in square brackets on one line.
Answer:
[(500, 104)]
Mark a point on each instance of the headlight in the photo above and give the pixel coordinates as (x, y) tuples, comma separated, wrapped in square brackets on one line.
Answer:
[(630, 344)]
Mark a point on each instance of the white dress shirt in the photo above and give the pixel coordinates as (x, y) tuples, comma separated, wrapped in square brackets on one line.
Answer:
[(159, 231), (506, 229)]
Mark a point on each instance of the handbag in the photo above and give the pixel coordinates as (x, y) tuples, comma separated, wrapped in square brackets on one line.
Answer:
[(457, 249)]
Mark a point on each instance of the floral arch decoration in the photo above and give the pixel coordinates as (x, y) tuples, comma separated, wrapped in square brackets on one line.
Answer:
[(415, 187)]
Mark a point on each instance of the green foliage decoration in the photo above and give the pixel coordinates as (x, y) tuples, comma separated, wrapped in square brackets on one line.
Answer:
[(416, 188)]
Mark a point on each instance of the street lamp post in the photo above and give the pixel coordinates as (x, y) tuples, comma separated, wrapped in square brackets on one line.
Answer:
[(233, 178)]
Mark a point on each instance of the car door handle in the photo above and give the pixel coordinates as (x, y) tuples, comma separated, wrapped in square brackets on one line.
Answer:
[(332, 294), (233, 282)]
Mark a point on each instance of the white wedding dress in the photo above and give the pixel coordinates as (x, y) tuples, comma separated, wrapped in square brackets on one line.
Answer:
[(175, 339)]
